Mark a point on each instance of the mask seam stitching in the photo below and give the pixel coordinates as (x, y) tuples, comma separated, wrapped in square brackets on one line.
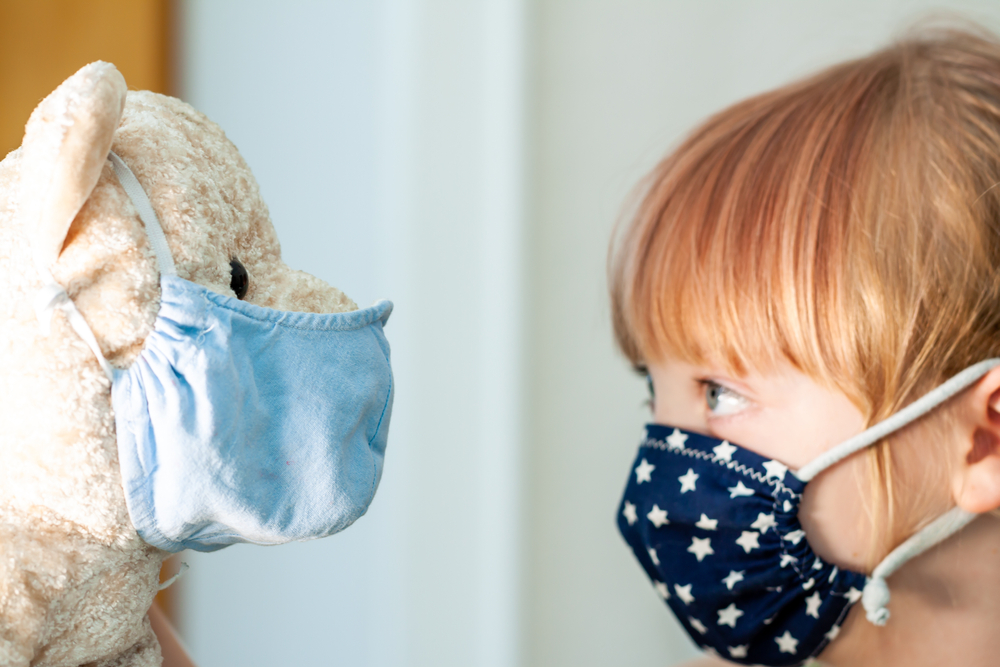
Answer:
[(287, 325), (378, 428), (741, 468), (214, 298), (784, 549), (744, 470), (800, 570), (382, 416)]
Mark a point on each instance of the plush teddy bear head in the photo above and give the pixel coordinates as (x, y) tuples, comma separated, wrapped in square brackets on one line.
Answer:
[(76, 580)]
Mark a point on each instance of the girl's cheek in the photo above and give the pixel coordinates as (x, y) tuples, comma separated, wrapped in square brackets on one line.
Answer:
[(835, 516)]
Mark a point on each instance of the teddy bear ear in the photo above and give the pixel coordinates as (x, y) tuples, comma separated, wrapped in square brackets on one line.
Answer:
[(66, 143)]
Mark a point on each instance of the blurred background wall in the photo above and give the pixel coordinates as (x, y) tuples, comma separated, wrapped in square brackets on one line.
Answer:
[(468, 160), (44, 41)]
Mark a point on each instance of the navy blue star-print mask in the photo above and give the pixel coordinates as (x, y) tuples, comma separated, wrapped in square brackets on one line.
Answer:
[(715, 526)]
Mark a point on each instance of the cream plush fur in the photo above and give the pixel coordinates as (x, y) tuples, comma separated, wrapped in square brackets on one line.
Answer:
[(75, 579)]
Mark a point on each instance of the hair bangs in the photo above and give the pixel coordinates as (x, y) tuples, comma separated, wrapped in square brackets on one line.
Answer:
[(740, 245)]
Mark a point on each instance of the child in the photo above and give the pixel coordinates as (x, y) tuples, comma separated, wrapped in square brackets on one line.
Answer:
[(810, 263)]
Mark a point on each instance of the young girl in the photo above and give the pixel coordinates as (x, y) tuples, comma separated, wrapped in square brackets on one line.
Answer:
[(812, 284)]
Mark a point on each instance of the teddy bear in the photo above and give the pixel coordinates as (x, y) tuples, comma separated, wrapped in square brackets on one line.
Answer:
[(118, 206)]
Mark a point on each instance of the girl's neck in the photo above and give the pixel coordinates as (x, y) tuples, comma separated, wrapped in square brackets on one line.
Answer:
[(951, 591)]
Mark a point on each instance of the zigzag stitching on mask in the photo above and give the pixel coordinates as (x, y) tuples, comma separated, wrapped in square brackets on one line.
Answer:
[(748, 472), (803, 573), (741, 468)]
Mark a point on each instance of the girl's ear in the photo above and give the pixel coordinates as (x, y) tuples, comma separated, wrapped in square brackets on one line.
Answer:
[(66, 144), (976, 478)]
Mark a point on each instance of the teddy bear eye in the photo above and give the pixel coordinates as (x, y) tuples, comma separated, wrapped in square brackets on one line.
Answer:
[(240, 281)]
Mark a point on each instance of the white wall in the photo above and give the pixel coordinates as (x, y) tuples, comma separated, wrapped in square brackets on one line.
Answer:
[(467, 159), (386, 139)]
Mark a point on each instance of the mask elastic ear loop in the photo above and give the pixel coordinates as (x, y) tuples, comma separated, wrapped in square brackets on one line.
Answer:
[(154, 231), (911, 412), (53, 296), (875, 596)]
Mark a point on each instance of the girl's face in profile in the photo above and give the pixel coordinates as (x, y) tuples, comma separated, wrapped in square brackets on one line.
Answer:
[(787, 416)]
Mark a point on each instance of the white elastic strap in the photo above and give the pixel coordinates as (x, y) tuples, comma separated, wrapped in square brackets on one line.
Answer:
[(52, 296), (169, 582), (146, 213), (875, 597), (910, 413)]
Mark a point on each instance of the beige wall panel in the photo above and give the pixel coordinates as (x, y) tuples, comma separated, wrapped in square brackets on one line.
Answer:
[(44, 41)]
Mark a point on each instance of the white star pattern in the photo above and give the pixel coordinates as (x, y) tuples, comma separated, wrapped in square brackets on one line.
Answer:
[(776, 470), (629, 513), (832, 634), (676, 440), (748, 540), (653, 557), (662, 589), (787, 643), (733, 578), (812, 605), (724, 451), (788, 559), (697, 625), (763, 522), (795, 536), (833, 575), (729, 615), (644, 471), (853, 595), (739, 490), (738, 651), (787, 506), (687, 481), (657, 516), (808, 585), (701, 547), (818, 564), (706, 524), (684, 593)]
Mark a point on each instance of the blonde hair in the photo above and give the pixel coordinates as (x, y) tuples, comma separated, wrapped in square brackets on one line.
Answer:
[(848, 223)]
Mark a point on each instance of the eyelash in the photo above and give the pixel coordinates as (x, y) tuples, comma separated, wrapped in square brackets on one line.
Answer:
[(644, 372), (739, 402)]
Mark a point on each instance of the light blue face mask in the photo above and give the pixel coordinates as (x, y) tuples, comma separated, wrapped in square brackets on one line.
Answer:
[(239, 423)]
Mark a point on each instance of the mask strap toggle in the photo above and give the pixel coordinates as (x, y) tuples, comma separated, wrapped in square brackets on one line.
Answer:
[(875, 596)]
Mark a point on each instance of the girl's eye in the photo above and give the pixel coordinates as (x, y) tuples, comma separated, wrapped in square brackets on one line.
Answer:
[(722, 401)]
